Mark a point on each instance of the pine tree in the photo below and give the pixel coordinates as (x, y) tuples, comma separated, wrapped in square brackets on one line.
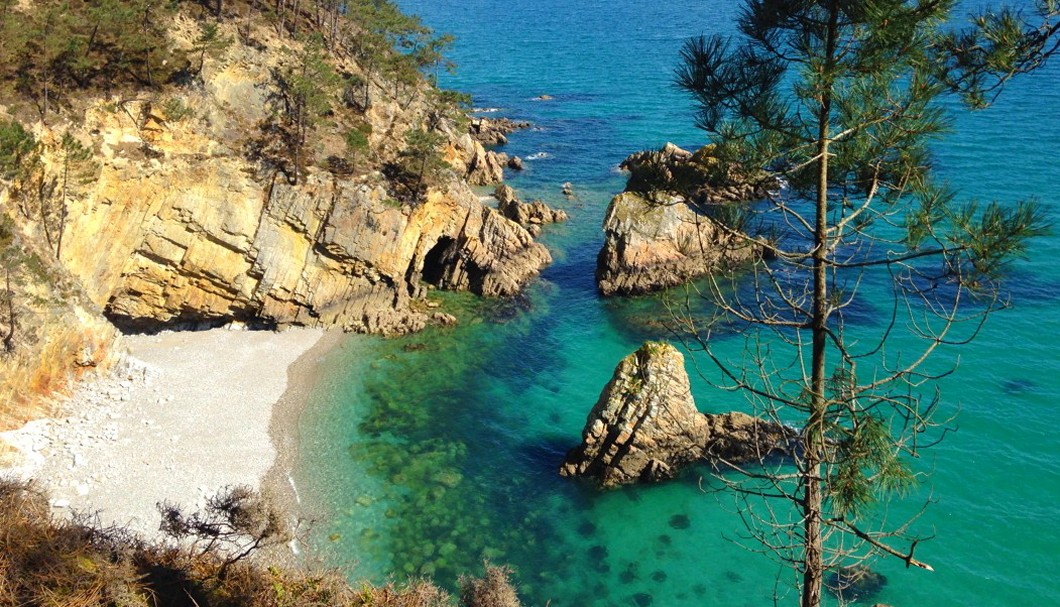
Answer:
[(308, 86), (76, 166), (421, 161), (840, 99)]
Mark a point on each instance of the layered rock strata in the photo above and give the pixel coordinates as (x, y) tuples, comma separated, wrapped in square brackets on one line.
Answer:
[(645, 426), (193, 216), (661, 231), (188, 241)]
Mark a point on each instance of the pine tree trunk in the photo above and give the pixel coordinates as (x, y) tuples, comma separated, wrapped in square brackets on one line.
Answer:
[(62, 209), (9, 338), (813, 500)]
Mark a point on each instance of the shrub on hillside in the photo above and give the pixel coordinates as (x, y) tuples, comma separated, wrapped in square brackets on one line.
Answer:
[(49, 561), (492, 590)]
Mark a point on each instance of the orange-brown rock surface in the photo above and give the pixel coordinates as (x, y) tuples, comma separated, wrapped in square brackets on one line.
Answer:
[(646, 427)]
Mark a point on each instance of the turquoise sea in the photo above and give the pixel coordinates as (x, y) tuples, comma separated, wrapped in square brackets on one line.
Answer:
[(428, 454)]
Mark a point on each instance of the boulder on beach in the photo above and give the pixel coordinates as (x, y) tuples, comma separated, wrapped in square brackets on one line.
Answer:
[(646, 427)]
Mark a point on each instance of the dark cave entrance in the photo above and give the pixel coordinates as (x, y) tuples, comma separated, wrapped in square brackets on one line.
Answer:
[(438, 260)]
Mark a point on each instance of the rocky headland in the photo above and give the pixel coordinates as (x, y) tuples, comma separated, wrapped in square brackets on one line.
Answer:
[(664, 230), (227, 189), (645, 427), (194, 207)]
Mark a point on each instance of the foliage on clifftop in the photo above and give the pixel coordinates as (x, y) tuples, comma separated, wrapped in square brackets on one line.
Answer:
[(332, 62), (51, 49), (48, 562)]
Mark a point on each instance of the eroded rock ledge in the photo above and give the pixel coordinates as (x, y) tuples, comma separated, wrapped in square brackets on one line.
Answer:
[(495, 131), (531, 215), (661, 232), (325, 253), (645, 427)]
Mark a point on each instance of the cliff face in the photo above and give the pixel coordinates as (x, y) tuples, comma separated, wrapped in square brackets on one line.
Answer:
[(183, 222), (195, 241)]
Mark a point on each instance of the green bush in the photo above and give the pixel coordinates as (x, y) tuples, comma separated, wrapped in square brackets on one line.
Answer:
[(175, 109), (17, 147)]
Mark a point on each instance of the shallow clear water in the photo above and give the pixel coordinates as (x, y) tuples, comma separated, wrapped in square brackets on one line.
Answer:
[(430, 453)]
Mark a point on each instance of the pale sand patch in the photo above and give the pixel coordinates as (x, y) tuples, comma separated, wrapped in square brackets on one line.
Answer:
[(187, 415)]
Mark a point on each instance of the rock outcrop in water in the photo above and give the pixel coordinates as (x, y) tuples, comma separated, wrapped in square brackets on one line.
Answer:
[(662, 231), (495, 131), (700, 177), (645, 426), (530, 215), (655, 244)]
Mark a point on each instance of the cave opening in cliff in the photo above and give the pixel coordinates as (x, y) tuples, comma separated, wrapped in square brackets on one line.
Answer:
[(437, 260)]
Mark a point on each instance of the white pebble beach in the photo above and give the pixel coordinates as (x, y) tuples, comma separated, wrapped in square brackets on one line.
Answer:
[(186, 415)]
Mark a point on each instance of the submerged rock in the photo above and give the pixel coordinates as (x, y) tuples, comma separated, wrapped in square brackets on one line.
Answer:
[(680, 521), (855, 582), (645, 426)]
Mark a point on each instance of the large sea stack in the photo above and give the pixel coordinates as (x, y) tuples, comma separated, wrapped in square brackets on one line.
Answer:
[(662, 231), (645, 426)]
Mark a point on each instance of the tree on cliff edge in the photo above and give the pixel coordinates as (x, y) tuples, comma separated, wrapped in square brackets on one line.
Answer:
[(840, 98)]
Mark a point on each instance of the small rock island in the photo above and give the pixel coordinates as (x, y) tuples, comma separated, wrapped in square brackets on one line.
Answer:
[(645, 427)]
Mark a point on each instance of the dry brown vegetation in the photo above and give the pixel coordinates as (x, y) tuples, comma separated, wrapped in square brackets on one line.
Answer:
[(46, 561)]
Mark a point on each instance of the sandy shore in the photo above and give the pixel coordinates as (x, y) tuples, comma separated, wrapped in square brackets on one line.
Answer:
[(188, 414)]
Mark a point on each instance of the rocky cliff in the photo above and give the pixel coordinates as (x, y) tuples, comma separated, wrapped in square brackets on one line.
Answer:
[(187, 216), (645, 426), (190, 241)]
